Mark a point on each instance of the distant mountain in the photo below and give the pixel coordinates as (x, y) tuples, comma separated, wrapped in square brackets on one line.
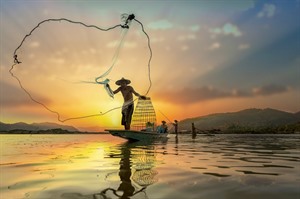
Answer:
[(297, 114), (35, 126), (253, 118)]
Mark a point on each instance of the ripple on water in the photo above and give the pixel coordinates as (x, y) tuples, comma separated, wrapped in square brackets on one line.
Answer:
[(257, 173), (198, 168), (216, 174)]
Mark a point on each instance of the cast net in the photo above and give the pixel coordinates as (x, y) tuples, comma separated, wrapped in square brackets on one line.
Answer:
[(68, 74)]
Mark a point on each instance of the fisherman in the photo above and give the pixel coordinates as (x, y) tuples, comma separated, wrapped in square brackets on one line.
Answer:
[(163, 128), (128, 106), (176, 126), (194, 133)]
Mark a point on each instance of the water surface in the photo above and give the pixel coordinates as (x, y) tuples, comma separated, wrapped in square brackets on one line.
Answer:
[(103, 166)]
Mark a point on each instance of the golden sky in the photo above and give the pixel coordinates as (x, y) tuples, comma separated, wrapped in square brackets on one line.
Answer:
[(208, 57)]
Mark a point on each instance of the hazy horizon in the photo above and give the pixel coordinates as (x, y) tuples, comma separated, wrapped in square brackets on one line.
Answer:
[(102, 128)]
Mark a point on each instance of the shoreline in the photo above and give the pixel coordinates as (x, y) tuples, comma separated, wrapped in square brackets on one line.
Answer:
[(106, 133), (50, 133)]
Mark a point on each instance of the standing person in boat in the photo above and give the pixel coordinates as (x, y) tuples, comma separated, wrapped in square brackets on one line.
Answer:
[(176, 126), (128, 106)]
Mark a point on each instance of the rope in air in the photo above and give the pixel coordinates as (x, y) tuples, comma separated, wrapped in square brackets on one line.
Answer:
[(125, 17)]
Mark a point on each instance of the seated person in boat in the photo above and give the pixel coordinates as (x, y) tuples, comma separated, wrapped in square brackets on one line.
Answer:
[(149, 127), (163, 128), (128, 106)]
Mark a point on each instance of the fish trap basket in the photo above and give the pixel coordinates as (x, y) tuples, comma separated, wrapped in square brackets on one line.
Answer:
[(144, 116)]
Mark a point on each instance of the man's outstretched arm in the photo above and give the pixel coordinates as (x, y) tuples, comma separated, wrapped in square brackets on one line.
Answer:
[(117, 90), (138, 95)]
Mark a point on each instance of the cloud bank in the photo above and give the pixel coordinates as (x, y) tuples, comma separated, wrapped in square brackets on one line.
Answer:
[(193, 95), (12, 96), (267, 11)]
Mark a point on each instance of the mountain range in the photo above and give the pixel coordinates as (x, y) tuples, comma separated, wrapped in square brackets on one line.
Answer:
[(253, 118), (248, 118), (35, 126)]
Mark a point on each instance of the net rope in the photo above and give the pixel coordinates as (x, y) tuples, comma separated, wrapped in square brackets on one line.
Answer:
[(127, 19)]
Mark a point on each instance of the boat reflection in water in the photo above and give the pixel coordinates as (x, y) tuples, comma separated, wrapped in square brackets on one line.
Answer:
[(136, 173)]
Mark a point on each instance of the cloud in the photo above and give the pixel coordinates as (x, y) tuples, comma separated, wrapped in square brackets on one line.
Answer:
[(160, 25), (157, 39), (126, 44), (34, 44), (186, 37), (193, 95), (12, 96), (194, 28), (244, 46), (270, 89), (57, 60), (215, 46), (231, 29), (267, 11), (227, 29), (184, 48)]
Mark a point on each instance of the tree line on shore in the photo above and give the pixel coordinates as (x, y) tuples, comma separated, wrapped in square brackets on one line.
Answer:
[(285, 129), (240, 129)]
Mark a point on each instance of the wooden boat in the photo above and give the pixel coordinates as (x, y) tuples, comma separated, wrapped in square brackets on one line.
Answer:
[(137, 135)]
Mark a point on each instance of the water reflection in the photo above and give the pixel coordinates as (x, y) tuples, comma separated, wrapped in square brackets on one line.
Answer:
[(224, 153), (136, 172), (98, 167)]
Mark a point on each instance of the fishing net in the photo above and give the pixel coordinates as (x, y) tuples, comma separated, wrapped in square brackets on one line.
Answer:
[(68, 74), (144, 116)]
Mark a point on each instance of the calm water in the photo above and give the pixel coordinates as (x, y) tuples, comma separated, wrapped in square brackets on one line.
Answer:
[(103, 166)]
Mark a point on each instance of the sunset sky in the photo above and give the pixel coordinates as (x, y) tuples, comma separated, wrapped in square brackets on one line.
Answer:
[(208, 57)]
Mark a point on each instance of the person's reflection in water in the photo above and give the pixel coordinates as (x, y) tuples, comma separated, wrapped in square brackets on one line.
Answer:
[(176, 145), (133, 181), (125, 174)]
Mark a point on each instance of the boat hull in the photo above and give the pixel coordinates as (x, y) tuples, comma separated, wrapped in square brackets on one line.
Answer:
[(137, 135)]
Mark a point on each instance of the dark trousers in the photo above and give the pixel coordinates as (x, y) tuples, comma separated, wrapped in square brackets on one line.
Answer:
[(126, 116)]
